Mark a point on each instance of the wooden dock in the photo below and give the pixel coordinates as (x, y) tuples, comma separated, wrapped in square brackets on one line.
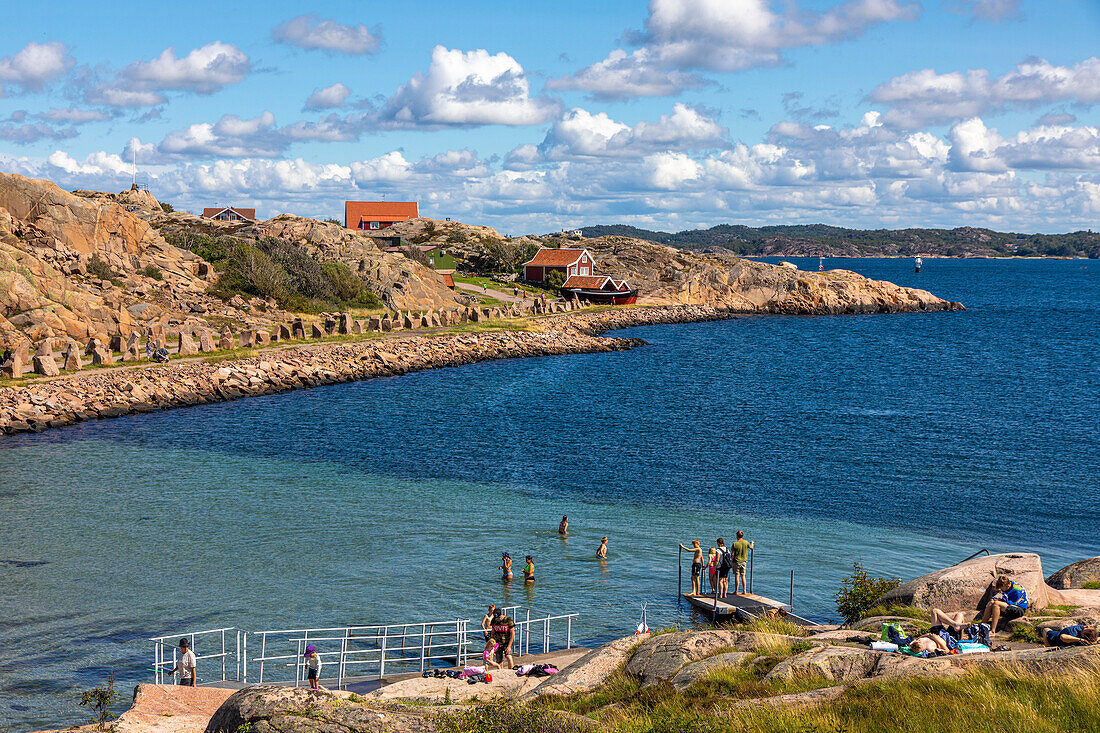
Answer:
[(744, 607)]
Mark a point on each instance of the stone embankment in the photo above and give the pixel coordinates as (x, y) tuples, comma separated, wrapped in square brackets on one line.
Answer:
[(80, 396)]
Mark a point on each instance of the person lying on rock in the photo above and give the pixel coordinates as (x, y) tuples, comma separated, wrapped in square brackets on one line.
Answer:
[(931, 643), (1071, 635), (955, 622), (1010, 602)]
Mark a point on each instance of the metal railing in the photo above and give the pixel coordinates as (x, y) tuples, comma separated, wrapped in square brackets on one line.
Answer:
[(363, 652)]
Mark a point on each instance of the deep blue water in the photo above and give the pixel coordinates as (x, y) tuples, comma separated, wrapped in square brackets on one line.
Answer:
[(907, 442)]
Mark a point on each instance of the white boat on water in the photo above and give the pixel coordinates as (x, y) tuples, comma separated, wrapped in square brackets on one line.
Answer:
[(917, 263)]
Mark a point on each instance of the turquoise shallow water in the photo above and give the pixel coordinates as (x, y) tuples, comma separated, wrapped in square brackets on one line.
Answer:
[(908, 442)]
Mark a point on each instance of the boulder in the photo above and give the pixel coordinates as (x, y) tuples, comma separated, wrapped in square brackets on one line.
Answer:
[(695, 671), (435, 319), (187, 346), (474, 315), (270, 709), (968, 585), (225, 343), (1075, 575), (206, 341), (659, 658), (93, 344), (374, 324), (330, 325), (13, 368), (117, 343), (101, 355), (835, 663), (43, 362), (344, 323), (387, 323), (72, 358), (317, 331), (591, 670), (284, 332), (358, 327), (247, 338), (409, 322), (131, 353), (263, 338), (425, 321), (298, 329)]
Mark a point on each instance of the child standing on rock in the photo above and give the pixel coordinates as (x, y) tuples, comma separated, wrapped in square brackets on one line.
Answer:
[(313, 665)]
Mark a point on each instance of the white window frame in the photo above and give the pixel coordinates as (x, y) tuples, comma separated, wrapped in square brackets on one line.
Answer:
[(376, 225)]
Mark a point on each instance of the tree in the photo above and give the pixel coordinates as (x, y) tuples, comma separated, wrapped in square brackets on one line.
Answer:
[(503, 255), (555, 279), (100, 700), (859, 591)]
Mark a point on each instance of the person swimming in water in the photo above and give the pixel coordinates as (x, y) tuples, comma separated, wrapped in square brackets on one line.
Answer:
[(505, 566), (563, 526), (529, 570), (601, 552)]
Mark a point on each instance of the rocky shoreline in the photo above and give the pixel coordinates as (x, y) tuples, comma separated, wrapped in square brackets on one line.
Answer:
[(106, 393)]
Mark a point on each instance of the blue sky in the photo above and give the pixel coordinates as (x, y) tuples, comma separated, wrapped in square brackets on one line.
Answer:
[(537, 116)]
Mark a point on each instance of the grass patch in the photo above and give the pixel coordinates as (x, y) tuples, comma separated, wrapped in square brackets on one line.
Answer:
[(772, 625), (1065, 610), (504, 287), (895, 609), (1091, 585), (1025, 633)]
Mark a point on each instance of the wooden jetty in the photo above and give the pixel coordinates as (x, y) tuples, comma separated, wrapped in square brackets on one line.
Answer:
[(744, 607)]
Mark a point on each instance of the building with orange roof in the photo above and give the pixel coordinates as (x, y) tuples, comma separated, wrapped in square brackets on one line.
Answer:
[(378, 214), (228, 213), (568, 262)]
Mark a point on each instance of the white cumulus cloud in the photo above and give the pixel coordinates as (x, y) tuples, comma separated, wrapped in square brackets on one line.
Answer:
[(327, 98), (36, 65), (466, 88)]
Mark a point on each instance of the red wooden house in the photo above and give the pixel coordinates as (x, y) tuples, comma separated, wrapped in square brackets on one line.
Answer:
[(378, 214), (228, 213), (568, 262)]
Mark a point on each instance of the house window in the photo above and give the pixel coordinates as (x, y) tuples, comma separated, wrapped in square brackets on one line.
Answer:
[(374, 225), (584, 270)]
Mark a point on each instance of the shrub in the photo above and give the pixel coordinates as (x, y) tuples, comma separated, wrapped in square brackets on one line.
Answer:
[(1091, 585), (859, 592), (99, 268), (153, 271), (166, 207), (508, 717), (254, 272), (347, 286), (896, 609), (211, 249), (555, 279), (100, 700), (414, 253)]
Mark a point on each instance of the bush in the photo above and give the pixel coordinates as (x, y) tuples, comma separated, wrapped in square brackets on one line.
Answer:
[(99, 268), (254, 272), (1091, 585), (502, 255), (507, 717), (555, 279), (347, 286), (166, 208), (211, 249), (859, 592), (100, 700), (153, 271)]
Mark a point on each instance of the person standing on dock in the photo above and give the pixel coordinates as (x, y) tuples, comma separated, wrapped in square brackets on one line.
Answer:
[(186, 665), (696, 565), (725, 563), (741, 562), (712, 568)]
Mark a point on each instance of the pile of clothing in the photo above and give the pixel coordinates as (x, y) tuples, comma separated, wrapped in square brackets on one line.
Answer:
[(472, 675), (536, 670)]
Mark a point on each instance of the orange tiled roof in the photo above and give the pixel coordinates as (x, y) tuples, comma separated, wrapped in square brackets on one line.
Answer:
[(357, 211), (588, 282), (448, 280), (546, 257)]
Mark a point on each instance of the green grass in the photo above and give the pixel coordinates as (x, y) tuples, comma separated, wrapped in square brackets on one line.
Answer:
[(770, 625), (1091, 585), (482, 281), (1026, 633), (1065, 610), (896, 609), (1004, 699)]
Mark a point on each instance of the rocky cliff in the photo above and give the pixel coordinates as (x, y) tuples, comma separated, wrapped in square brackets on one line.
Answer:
[(665, 275)]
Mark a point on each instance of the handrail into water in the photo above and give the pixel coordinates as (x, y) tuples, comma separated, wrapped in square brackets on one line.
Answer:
[(372, 647), (960, 562)]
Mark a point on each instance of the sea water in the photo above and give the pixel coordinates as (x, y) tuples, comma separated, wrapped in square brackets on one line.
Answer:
[(905, 442)]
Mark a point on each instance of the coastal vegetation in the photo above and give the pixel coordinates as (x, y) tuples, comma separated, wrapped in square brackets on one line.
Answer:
[(724, 701), (859, 592), (100, 700), (274, 268), (814, 239)]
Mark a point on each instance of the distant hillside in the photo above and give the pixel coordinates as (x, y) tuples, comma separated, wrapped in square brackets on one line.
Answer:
[(810, 240)]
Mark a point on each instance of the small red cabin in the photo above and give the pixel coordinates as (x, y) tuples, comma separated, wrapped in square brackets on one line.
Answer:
[(568, 262), (228, 213), (378, 214)]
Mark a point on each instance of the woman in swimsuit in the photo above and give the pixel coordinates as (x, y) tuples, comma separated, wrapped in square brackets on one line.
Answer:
[(529, 570), (563, 526), (696, 566), (712, 568), (506, 566)]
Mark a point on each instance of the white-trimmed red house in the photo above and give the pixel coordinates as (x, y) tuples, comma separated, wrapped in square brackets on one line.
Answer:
[(568, 262), (228, 213), (378, 214)]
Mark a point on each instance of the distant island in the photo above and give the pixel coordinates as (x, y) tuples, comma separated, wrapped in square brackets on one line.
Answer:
[(812, 240)]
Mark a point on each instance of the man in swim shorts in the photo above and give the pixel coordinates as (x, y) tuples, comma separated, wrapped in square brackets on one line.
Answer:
[(504, 633), (696, 565)]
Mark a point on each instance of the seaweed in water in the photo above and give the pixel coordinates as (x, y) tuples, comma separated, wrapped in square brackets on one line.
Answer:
[(24, 563)]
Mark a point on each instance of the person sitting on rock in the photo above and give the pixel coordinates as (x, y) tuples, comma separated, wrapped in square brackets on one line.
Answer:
[(1071, 635), (1010, 602)]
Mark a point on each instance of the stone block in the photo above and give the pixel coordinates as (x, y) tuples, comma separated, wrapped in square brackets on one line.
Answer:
[(474, 315), (71, 355), (298, 329), (318, 331), (435, 319), (374, 324), (117, 343), (263, 338), (132, 353), (358, 326), (206, 341), (425, 321), (247, 338), (330, 325), (345, 323), (187, 346), (225, 343), (387, 323), (284, 332), (409, 322), (45, 365), (13, 368), (102, 356), (89, 349)]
